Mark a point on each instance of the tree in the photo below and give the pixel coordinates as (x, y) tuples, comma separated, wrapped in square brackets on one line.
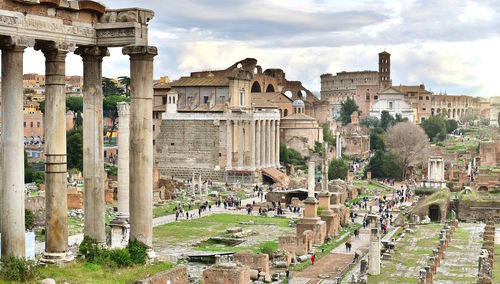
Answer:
[(328, 135), (109, 108), (400, 118), (125, 82), (75, 105), (110, 88), (347, 107), (435, 128), (337, 169), (74, 148), (408, 142), (384, 165), (386, 120), (284, 154), (451, 125), (376, 138), (370, 121)]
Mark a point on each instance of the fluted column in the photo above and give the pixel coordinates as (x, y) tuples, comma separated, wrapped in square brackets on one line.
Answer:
[(268, 143), (257, 145), (263, 144), (12, 186), (273, 143), (123, 160), (277, 147), (252, 145), (93, 142), (141, 142), (229, 144), (241, 144), (56, 200)]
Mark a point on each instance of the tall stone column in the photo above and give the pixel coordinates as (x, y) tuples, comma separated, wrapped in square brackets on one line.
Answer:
[(257, 145), (277, 147), (241, 144), (93, 142), (268, 143), (141, 142), (374, 251), (263, 144), (273, 143), (120, 228), (338, 145), (229, 144), (325, 167), (123, 160), (56, 200), (310, 180), (12, 186), (252, 145)]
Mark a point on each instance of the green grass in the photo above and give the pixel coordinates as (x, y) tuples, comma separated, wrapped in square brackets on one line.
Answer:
[(496, 266), (412, 253), (82, 272), (210, 226)]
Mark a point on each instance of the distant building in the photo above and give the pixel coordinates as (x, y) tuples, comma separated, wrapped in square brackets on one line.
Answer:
[(392, 101)]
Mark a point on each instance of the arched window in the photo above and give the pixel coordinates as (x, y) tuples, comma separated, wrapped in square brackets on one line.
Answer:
[(285, 113), (270, 89), (256, 87)]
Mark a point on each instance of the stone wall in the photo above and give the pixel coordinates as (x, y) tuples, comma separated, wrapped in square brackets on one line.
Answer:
[(254, 261), (75, 199), (187, 146), (34, 203), (176, 275), (478, 211), (227, 273)]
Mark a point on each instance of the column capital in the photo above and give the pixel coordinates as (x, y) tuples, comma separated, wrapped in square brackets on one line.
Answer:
[(92, 52), (16, 43), (49, 47), (123, 108), (144, 52)]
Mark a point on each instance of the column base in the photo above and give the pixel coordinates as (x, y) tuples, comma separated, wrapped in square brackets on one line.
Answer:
[(120, 233), (151, 256), (57, 257)]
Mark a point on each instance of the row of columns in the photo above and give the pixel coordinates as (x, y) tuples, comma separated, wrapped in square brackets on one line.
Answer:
[(12, 149), (264, 144)]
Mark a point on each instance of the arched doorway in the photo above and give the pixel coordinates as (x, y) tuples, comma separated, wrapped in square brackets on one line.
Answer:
[(256, 87), (483, 188), (270, 89), (434, 213)]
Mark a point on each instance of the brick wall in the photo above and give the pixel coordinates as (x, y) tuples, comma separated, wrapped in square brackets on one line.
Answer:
[(176, 275)]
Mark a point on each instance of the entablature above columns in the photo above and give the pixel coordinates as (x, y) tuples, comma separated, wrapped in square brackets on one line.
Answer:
[(81, 23)]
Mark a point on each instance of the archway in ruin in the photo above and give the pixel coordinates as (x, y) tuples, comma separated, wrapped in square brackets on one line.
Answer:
[(270, 88), (256, 87), (483, 188), (434, 212)]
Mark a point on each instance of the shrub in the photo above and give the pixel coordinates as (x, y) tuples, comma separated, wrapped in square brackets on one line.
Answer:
[(138, 251), (19, 269), (120, 257), (91, 250), (29, 219), (267, 249)]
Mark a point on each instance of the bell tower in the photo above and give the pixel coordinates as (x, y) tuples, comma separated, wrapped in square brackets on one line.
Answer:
[(384, 70)]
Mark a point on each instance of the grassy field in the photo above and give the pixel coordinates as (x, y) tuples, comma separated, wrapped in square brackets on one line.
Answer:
[(460, 263), (210, 226), (80, 272), (411, 254), (496, 266)]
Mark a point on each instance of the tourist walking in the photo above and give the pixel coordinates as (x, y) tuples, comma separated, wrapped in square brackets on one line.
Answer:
[(312, 259)]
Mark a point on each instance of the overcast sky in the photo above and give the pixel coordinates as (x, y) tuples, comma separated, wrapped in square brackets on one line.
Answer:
[(450, 45)]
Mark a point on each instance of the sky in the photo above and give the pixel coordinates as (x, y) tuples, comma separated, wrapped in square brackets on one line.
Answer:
[(448, 45)]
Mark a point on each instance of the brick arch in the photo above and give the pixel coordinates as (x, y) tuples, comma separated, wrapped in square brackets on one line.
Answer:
[(270, 88)]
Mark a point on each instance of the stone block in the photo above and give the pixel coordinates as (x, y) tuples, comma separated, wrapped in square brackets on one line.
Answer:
[(259, 262), (176, 275)]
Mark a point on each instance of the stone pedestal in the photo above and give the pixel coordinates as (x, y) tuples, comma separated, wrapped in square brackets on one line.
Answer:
[(141, 142), (120, 233), (332, 220), (12, 185), (374, 252), (312, 222)]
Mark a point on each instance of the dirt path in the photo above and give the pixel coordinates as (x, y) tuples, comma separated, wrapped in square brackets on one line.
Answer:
[(334, 263)]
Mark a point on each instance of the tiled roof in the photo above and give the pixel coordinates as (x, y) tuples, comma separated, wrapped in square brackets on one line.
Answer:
[(199, 82)]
